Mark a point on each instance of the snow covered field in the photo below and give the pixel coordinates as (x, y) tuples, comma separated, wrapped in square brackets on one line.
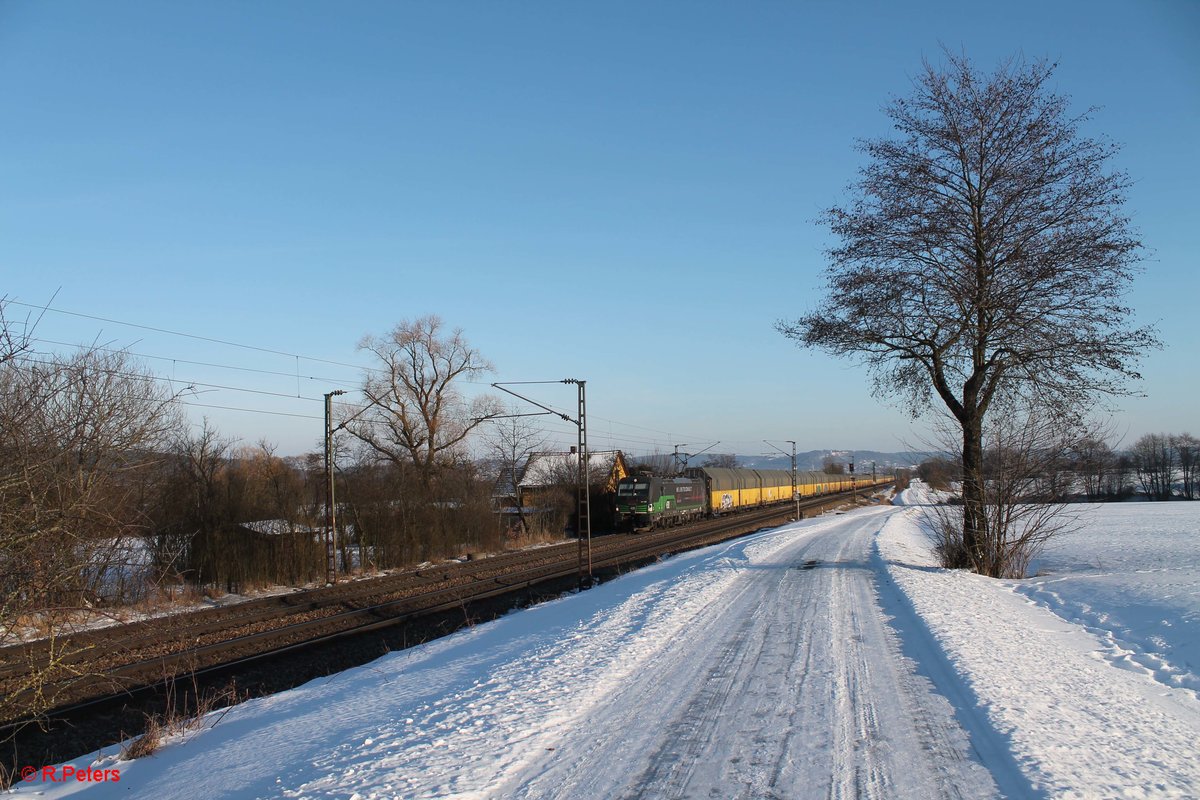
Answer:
[(1087, 673), (828, 658), (1131, 576)]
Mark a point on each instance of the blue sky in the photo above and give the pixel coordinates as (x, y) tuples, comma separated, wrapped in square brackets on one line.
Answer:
[(624, 193)]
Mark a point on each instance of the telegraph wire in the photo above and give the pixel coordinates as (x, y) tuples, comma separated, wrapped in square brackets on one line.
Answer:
[(172, 381), (210, 339)]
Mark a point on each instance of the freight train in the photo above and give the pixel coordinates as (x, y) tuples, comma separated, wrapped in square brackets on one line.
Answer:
[(644, 502)]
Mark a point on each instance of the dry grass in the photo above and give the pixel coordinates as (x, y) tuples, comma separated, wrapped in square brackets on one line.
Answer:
[(181, 719), (532, 537), (146, 744)]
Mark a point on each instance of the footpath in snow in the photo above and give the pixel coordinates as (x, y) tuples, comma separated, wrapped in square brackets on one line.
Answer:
[(827, 658)]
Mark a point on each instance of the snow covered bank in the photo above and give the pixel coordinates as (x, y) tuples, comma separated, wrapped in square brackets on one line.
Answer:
[(445, 718), (1089, 670), (757, 668)]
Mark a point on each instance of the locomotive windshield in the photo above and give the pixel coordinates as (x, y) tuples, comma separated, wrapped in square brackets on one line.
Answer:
[(638, 490)]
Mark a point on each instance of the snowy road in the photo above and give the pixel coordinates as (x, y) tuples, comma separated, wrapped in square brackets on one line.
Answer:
[(788, 683), (761, 668)]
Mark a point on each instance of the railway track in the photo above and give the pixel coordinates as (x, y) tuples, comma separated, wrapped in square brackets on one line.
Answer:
[(114, 666), (192, 629)]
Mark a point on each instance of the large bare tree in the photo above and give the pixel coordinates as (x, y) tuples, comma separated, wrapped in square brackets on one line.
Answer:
[(986, 252), (417, 412)]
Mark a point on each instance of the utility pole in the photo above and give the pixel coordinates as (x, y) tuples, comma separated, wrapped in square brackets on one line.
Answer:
[(330, 500), (584, 514), (853, 484), (795, 494), (585, 510)]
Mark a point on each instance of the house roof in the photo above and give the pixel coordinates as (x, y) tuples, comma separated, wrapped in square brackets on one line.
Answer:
[(274, 527)]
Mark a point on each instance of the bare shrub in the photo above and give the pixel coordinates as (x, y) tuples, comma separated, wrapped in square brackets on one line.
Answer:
[(80, 439), (1022, 503), (184, 714)]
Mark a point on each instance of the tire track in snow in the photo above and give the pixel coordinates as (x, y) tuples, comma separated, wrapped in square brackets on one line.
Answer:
[(672, 765), (794, 687)]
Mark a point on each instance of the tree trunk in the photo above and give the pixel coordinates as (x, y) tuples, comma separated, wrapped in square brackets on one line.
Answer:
[(974, 514)]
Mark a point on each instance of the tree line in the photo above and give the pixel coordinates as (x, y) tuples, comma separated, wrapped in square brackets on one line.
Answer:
[(1157, 466), (108, 495)]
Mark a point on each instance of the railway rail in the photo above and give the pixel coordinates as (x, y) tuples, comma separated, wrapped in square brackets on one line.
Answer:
[(197, 628), (112, 666)]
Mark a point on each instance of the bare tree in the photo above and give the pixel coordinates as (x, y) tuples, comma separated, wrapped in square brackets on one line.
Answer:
[(724, 460), (415, 494), (1118, 482), (15, 337), (1187, 450), (512, 441), (985, 256), (417, 411), (1154, 463), (654, 463), (79, 435), (832, 466), (1093, 460)]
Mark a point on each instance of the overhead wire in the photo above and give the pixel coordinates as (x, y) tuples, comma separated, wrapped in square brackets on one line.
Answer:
[(211, 364), (165, 379), (611, 437), (251, 410), (210, 339)]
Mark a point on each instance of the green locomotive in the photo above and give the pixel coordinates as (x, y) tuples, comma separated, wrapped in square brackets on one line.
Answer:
[(645, 502)]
